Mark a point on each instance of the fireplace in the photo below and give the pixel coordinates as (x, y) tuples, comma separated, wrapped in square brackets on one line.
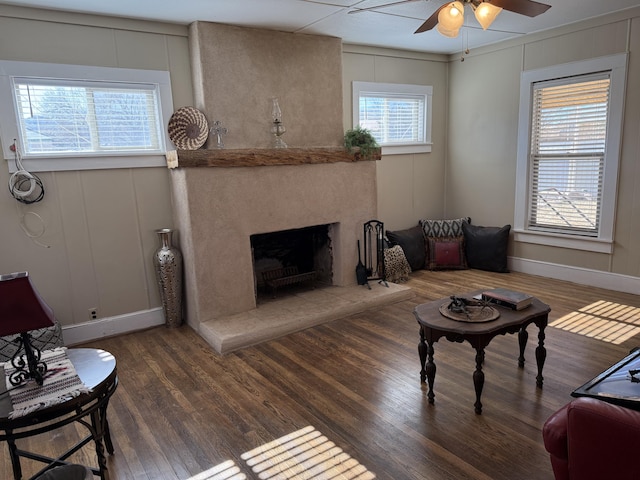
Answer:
[(290, 260), (221, 198), (220, 208)]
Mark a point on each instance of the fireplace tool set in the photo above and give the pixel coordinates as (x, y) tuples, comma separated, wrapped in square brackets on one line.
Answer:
[(373, 268)]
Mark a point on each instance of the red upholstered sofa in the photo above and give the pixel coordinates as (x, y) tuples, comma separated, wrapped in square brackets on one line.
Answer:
[(591, 439)]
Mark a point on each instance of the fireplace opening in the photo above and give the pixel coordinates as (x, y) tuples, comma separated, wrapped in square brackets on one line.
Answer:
[(290, 261)]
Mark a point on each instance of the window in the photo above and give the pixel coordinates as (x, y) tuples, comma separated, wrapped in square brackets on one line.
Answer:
[(398, 116), (568, 149), (72, 117)]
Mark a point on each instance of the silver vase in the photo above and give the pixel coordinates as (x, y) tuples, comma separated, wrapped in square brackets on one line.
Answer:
[(168, 263)]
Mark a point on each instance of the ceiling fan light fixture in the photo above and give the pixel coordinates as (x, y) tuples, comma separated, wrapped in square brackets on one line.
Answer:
[(446, 32), (486, 13), (451, 17)]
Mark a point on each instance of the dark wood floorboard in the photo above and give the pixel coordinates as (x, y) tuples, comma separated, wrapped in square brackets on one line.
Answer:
[(180, 409)]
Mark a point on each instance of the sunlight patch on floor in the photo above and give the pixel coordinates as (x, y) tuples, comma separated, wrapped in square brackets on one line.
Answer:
[(225, 471), (304, 454), (607, 321)]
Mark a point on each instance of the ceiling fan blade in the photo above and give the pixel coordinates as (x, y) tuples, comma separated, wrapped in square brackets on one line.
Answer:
[(431, 22), (367, 9), (523, 7)]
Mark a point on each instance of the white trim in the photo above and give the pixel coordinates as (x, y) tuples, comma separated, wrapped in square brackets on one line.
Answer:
[(402, 149), (9, 124), (558, 240), (617, 65), (582, 276), (111, 326), (398, 88)]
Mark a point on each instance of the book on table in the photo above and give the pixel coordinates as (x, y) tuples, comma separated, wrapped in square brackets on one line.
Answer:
[(508, 298)]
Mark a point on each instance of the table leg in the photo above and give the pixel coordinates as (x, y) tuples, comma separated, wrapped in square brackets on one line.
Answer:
[(478, 379), (427, 366), (422, 351), (15, 458), (98, 434), (523, 336), (105, 426), (541, 353), (431, 372)]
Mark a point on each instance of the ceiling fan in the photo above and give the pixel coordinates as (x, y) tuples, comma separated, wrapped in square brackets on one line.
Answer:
[(448, 18)]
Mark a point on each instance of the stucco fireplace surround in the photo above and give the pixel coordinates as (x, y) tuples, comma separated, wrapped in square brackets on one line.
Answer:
[(222, 197)]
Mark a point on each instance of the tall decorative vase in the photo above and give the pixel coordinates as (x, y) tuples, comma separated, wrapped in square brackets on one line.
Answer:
[(168, 263)]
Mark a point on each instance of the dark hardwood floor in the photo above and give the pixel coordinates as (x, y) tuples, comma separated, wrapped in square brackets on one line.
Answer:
[(181, 410)]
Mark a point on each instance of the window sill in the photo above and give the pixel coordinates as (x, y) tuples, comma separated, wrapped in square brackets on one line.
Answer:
[(88, 163), (405, 149), (564, 241)]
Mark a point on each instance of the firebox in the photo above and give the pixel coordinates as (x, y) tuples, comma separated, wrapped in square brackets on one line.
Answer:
[(291, 260)]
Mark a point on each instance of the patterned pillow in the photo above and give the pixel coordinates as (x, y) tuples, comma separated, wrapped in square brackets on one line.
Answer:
[(396, 267), (443, 228), (446, 254)]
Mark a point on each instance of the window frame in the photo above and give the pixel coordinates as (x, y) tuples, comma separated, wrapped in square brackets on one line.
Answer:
[(616, 65), (107, 76), (360, 88)]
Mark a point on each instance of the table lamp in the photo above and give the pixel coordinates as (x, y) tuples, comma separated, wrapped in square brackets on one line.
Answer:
[(22, 310)]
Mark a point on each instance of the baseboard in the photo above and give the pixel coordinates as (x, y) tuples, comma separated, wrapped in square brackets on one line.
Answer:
[(111, 326), (582, 276), (130, 322)]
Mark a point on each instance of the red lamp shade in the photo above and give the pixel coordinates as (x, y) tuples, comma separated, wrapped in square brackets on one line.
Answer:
[(21, 307)]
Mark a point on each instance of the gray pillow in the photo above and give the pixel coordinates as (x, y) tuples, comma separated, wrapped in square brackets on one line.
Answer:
[(412, 242), (486, 247)]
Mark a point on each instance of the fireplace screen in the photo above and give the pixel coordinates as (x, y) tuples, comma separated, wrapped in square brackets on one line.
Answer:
[(291, 260)]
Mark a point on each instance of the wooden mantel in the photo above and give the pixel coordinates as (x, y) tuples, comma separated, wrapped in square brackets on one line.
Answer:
[(254, 157)]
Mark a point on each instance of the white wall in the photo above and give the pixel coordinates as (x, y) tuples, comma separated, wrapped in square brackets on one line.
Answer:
[(410, 187), (483, 118), (99, 225)]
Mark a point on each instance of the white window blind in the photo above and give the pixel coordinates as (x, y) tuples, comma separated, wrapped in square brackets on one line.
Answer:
[(393, 119), (568, 138), (62, 117), (78, 117), (397, 115)]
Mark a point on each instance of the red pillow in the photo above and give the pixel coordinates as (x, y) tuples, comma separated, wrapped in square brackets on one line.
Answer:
[(446, 253)]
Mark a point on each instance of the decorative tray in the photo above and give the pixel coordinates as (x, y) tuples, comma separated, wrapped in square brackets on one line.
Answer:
[(468, 313)]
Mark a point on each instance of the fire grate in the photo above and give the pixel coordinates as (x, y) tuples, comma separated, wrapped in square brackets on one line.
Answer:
[(287, 276)]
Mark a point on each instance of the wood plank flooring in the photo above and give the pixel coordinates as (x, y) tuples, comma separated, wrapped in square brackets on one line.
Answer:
[(181, 410)]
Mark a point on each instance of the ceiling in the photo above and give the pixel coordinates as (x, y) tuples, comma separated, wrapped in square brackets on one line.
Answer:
[(391, 26)]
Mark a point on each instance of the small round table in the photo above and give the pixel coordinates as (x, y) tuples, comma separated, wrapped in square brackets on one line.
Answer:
[(97, 370)]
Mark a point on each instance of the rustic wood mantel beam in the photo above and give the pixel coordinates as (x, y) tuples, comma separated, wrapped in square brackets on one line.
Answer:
[(255, 157)]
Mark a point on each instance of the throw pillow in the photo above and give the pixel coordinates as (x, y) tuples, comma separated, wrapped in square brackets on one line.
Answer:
[(412, 243), (396, 267), (446, 253), (486, 247), (443, 228)]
